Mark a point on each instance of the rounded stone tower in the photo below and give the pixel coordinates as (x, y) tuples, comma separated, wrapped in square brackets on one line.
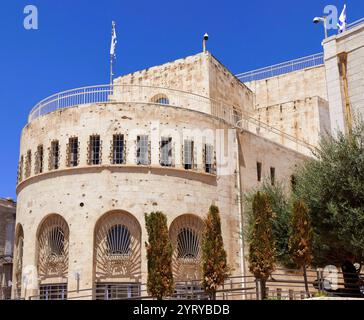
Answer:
[(93, 162)]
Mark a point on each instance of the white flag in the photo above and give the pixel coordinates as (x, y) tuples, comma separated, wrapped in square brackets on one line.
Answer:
[(113, 40), (342, 20)]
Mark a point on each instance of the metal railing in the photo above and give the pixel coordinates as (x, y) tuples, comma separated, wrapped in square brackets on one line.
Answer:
[(129, 94), (355, 23), (160, 96), (289, 66), (282, 68), (283, 284)]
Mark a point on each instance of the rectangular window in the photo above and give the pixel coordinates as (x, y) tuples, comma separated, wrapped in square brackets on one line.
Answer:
[(209, 158), (117, 291), (143, 150), (28, 164), (118, 149), (54, 158), (20, 169), (73, 152), (166, 152), (95, 150), (272, 176), (39, 160), (259, 171), (188, 149), (53, 292)]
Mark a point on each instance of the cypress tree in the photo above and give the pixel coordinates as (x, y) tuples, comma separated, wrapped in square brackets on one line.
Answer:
[(159, 255), (214, 264), (261, 242)]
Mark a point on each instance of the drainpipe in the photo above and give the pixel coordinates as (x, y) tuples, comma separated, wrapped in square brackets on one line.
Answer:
[(240, 209), (343, 67)]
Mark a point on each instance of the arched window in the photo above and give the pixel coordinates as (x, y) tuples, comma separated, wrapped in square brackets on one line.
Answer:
[(118, 240), (185, 233), (188, 244), (117, 251), (53, 239), (18, 260), (161, 99)]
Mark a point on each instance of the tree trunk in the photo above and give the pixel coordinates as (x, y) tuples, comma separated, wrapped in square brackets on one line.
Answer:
[(263, 288), (213, 295), (305, 280)]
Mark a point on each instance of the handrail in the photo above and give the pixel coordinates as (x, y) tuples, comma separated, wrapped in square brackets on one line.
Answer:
[(120, 93), (289, 66), (282, 68), (355, 23)]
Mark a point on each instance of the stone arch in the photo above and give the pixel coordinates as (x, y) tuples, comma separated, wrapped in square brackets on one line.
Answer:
[(53, 249), (18, 259), (185, 233), (117, 248)]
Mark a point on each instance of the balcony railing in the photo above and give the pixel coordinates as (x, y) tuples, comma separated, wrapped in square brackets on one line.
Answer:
[(282, 68), (289, 66), (355, 23), (161, 96)]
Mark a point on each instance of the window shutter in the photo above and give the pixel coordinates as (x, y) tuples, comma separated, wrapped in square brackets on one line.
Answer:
[(172, 153), (194, 159)]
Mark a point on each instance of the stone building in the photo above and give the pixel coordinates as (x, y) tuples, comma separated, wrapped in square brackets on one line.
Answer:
[(7, 226), (174, 138), (94, 161)]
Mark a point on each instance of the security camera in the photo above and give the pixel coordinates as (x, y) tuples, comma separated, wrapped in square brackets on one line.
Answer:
[(317, 20), (206, 37)]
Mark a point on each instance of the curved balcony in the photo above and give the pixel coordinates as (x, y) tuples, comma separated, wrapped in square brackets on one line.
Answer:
[(162, 96), (133, 94)]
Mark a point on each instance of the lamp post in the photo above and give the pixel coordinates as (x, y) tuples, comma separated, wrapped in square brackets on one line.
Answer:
[(323, 19)]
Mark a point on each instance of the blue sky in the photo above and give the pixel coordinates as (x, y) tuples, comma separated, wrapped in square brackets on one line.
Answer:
[(70, 49)]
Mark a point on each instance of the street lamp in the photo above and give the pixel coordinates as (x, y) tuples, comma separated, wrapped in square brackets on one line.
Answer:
[(323, 19)]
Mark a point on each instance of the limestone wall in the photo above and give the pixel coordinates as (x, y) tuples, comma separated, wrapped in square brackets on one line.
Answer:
[(294, 103), (350, 42), (103, 188), (288, 87), (303, 119), (131, 188)]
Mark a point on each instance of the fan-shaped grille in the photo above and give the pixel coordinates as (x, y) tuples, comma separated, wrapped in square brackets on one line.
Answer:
[(185, 233), (188, 244), (53, 248), (117, 248), (118, 240)]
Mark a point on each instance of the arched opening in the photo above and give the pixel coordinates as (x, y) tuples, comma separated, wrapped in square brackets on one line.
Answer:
[(53, 243), (117, 256), (18, 260), (185, 233), (160, 99)]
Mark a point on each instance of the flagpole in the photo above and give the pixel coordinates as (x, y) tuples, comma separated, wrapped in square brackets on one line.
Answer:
[(111, 70), (112, 51)]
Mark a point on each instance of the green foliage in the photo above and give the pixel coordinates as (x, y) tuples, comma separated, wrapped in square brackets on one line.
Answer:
[(332, 186), (159, 254), (214, 265), (281, 212), (260, 237), (300, 241)]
